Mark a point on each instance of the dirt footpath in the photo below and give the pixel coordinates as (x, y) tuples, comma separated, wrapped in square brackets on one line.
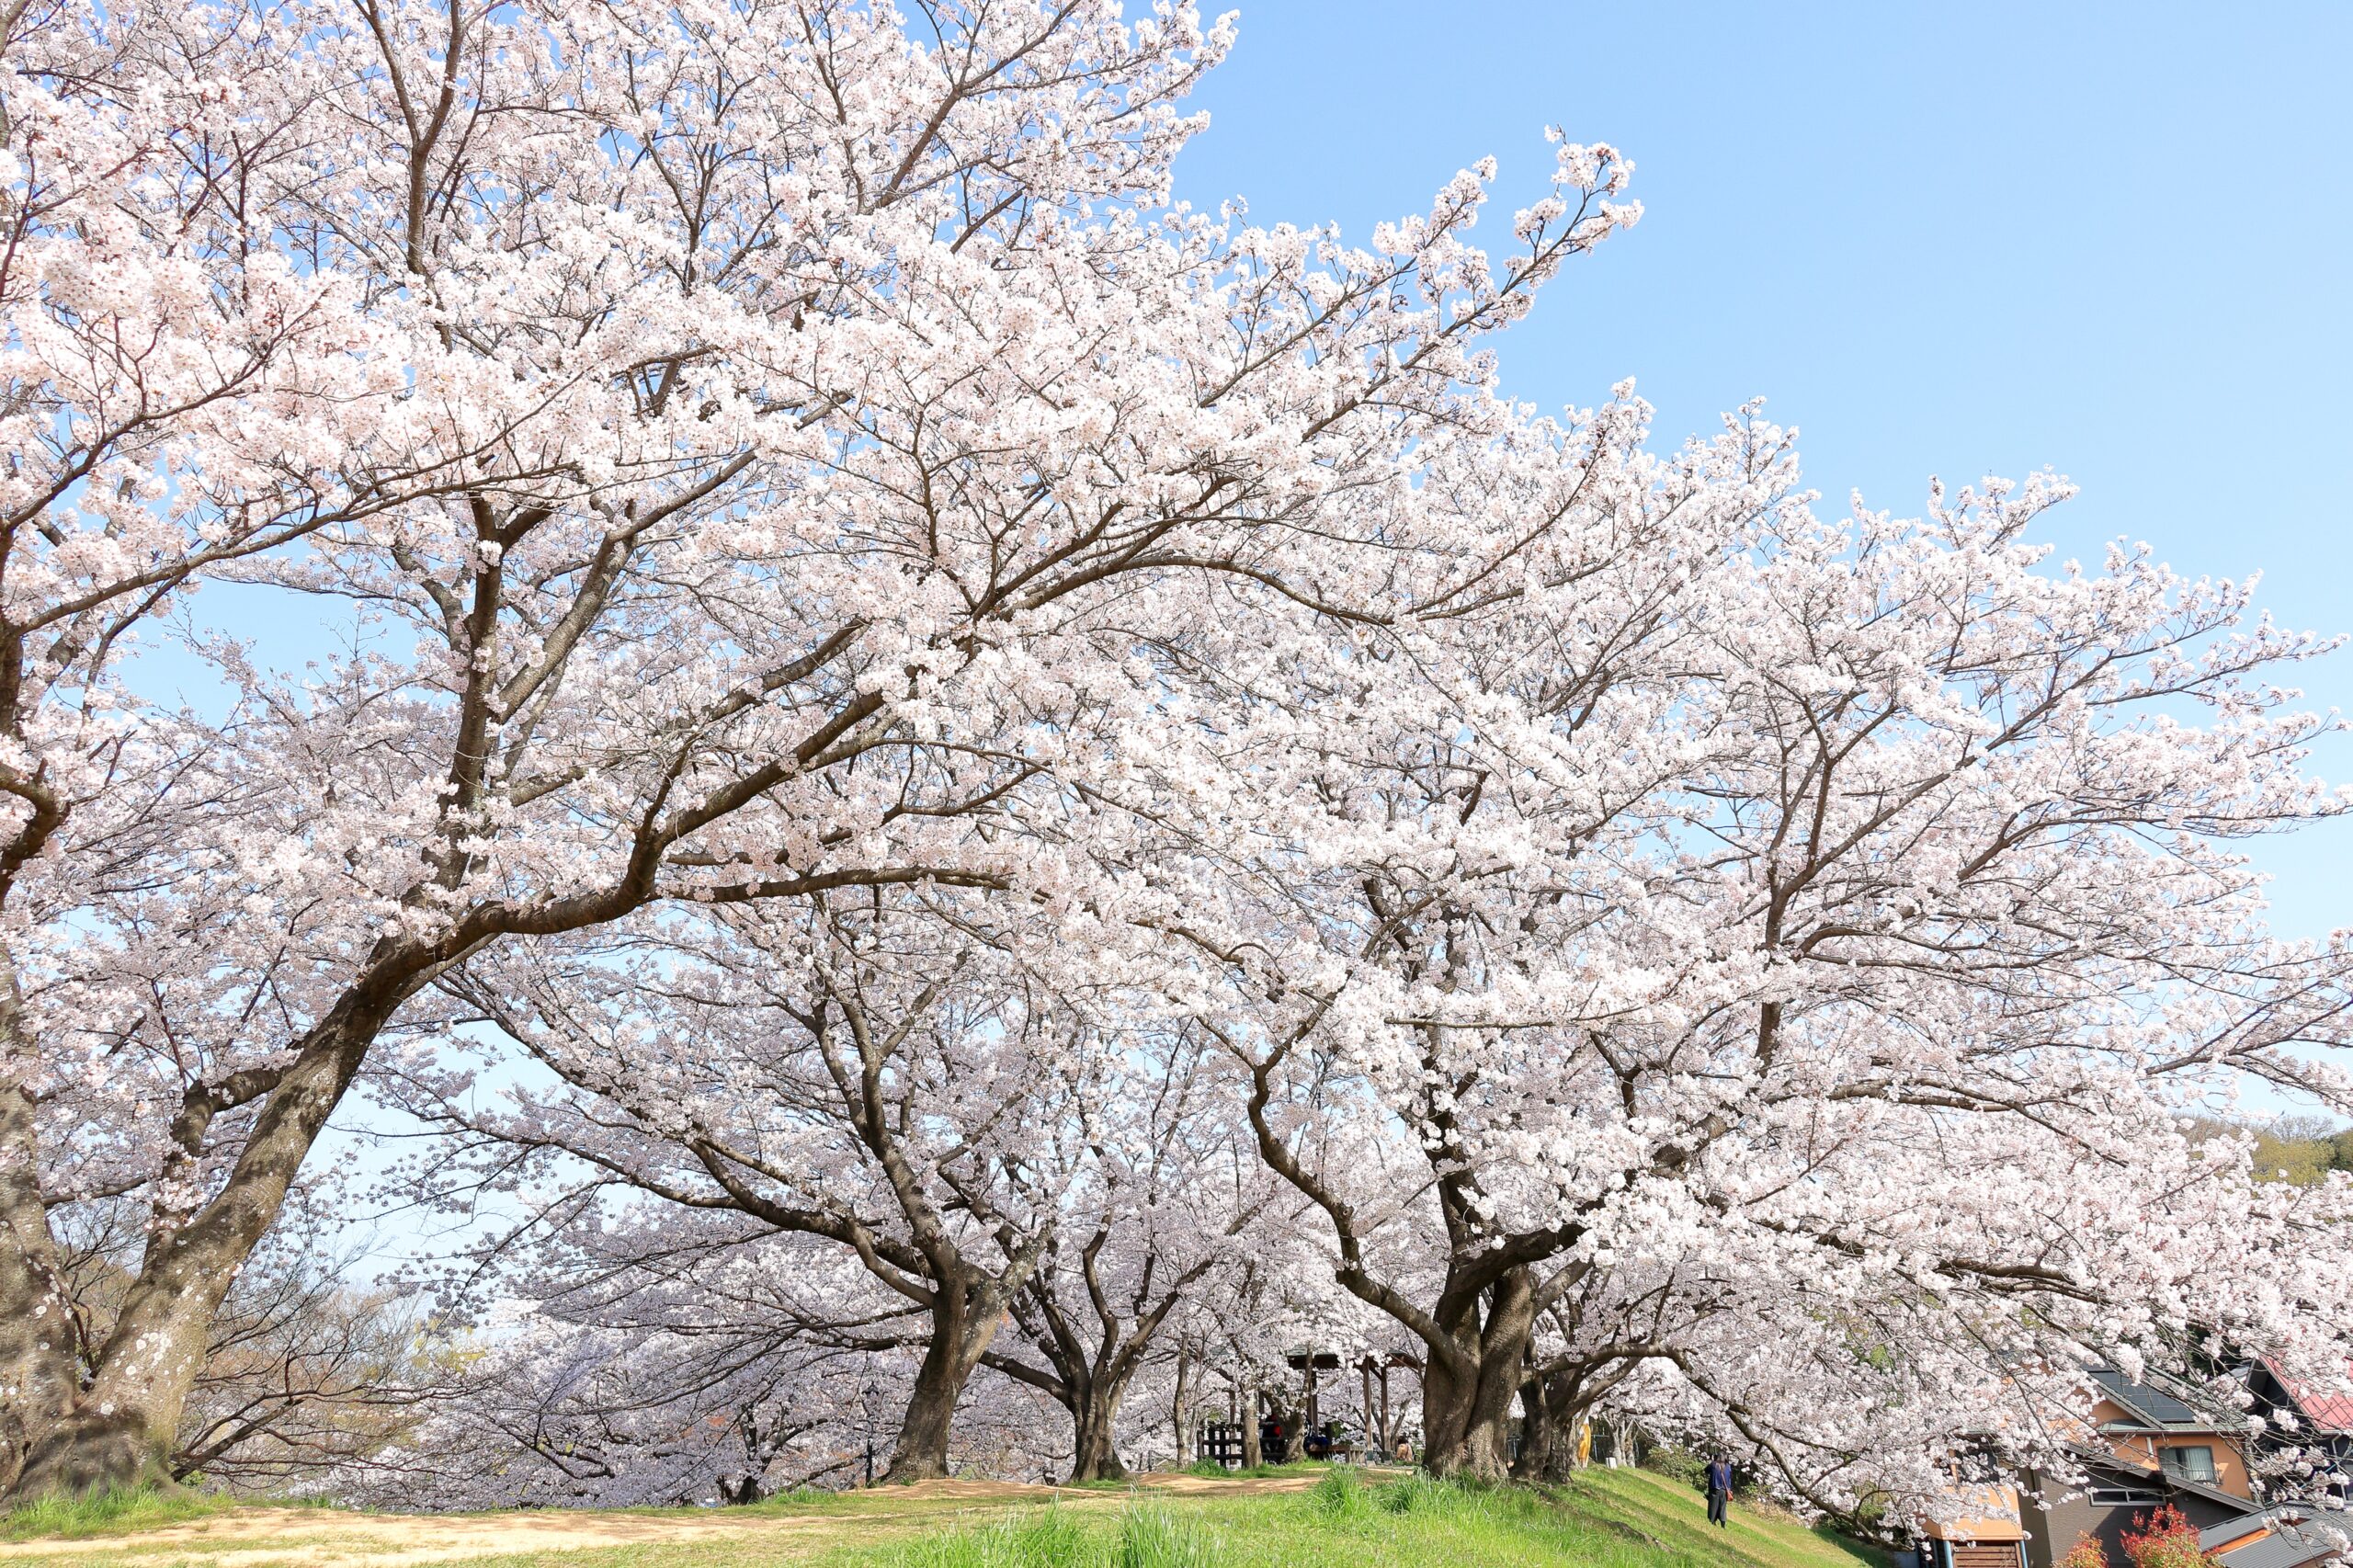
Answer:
[(312, 1537)]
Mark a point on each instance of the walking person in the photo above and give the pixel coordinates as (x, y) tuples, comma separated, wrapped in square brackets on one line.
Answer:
[(1718, 1489)]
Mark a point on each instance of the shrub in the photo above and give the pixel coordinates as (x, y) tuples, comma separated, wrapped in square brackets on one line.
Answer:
[(2164, 1539), (1677, 1464), (2087, 1553)]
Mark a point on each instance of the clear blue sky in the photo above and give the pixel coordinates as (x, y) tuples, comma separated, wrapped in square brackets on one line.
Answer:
[(1953, 239)]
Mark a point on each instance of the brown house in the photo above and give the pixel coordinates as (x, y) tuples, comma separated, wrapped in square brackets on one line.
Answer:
[(2146, 1427), (2141, 1449), (2114, 1495)]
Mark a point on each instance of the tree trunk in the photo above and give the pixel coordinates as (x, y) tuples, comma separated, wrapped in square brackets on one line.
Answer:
[(920, 1452), (1254, 1454), (1096, 1453), (1465, 1412), (961, 1331), (1548, 1448), (118, 1433), (40, 1360), (1468, 1388)]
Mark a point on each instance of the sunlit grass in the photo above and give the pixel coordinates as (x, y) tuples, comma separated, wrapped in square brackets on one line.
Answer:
[(106, 1513)]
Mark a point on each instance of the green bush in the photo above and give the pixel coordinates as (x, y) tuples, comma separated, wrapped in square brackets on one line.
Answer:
[(1677, 1464)]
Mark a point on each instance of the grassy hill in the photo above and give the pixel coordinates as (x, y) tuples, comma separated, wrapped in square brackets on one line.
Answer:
[(1607, 1519), (1309, 1517)]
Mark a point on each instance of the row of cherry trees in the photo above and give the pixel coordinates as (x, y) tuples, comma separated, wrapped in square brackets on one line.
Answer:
[(924, 740)]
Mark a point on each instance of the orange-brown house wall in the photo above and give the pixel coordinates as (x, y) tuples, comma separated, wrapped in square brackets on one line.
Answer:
[(2147, 1449)]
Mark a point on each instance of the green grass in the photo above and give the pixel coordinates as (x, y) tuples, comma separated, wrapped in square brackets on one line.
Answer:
[(1636, 1502), (1041, 1538), (109, 1513), (1146, 1535), (1210, 1470), (1603, 1519), (1350, 1518)]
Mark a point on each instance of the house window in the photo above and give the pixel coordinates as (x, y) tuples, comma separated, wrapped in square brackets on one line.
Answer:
[(2124, 1497), (2195, 1463)]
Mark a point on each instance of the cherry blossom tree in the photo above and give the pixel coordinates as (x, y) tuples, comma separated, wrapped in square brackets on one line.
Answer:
[(171, 410), (1155, 1227), (640, 1360), (819, 1070), (746, 446), (1777, 939), (873, 1072), (870, 634)]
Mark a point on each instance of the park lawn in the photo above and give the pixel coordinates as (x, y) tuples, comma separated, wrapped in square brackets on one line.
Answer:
[(1604, 1520)]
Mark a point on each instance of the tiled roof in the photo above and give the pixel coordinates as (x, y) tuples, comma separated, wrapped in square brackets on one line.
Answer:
[(2329, 1411)]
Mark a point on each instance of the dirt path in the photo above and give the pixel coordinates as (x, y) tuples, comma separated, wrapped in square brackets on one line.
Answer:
[(307, 1538)]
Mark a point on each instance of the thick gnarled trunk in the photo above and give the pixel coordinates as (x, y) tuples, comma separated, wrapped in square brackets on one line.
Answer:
[(1095, 1449), (1465, 1421), (1474, 1372), (961, 1332), (1548, 1443)]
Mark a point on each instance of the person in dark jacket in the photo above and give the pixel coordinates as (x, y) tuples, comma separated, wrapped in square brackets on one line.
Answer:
[(1718, 1489)]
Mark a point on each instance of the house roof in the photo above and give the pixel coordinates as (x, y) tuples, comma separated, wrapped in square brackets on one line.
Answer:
[(2199, 1489), (2153, 1409), (2329, 1411), (2095, 1459), (2319, 1533), (2117, 1467)]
